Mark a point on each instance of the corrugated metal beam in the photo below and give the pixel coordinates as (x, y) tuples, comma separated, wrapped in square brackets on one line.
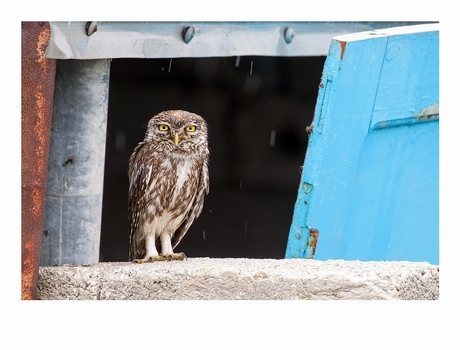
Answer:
[(99, 40), (37, 88)]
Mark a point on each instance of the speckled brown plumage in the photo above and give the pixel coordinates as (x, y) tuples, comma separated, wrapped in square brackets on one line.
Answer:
[(168, 180)]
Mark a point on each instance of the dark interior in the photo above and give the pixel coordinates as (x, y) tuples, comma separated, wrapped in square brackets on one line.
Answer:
[(256, 108)]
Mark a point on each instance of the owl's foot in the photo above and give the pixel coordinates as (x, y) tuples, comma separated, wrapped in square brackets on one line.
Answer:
[(149, 259), (166, 257), (174, 256)]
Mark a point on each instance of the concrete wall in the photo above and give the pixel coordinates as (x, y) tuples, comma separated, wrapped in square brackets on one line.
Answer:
[(241, 279)]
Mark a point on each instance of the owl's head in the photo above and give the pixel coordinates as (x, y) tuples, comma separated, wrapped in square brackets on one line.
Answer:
[(177, 130)]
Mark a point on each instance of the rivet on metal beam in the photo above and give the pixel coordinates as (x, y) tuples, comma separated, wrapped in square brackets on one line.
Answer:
[(288, 35), (90, 28), (188, 34)]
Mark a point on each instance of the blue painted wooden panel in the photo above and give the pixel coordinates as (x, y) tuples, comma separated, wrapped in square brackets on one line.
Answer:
[(371, 174)]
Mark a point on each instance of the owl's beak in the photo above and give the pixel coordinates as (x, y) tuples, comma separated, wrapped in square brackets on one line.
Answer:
[(176, 138)]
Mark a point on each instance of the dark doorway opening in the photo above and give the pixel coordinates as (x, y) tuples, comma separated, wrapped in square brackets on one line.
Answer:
[(257, 109)]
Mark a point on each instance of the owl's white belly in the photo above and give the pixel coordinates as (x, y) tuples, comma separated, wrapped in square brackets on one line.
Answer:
[(182, 173), (160, 219)]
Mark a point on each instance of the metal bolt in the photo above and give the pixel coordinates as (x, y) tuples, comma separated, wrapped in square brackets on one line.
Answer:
[(288, 35), (188, 34), (90, 28)]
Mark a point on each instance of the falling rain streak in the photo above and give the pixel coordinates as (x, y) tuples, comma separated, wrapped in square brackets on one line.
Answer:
[(170, 64), (237, 62), (272, 138), (204, 235), (241, 184), (250, 72)]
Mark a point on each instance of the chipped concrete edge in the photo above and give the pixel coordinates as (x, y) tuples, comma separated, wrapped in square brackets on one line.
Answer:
[(241, 279)]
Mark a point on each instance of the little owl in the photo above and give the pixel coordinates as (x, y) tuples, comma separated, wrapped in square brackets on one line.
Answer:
[(168, 180)]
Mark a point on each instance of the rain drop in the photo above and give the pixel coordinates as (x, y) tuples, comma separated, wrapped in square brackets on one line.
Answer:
[(272, 138), (120, 141), (237, 62)]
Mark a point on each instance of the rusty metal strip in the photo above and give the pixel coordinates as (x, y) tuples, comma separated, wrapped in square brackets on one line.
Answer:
[(314, 233), (37, 89)]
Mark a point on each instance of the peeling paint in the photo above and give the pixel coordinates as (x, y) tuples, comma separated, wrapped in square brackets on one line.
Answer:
[(428, 113)]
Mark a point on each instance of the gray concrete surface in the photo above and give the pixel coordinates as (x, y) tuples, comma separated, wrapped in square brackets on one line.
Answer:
[(241, 279)]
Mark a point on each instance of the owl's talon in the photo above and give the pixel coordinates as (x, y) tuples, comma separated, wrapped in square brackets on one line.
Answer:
[(140, 261), (174, 256), (149, 259)]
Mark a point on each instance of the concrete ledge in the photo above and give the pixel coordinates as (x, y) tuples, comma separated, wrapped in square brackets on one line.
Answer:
[(245, 279)]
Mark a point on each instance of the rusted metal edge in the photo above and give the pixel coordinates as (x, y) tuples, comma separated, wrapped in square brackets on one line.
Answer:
[(313, 239), (37, 90), (343, 44)]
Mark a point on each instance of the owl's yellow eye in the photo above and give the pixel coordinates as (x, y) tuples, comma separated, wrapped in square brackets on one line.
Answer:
[(190, 128), (163, 127)]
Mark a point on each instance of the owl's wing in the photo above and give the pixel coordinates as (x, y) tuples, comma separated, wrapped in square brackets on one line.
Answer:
[(138, 175), (196, 208)]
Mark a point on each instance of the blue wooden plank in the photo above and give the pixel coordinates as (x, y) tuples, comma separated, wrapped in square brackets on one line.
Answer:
[(409, 84), (320, 163), (394, 202), (373, 187)]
